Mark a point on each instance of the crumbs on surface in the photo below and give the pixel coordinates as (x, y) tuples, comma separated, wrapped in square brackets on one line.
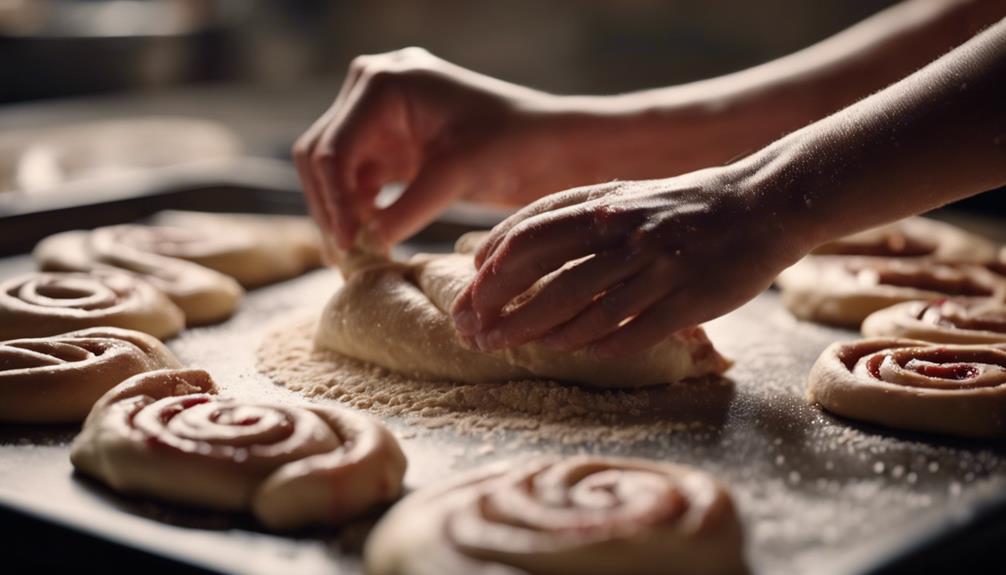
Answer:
[(539, 409)]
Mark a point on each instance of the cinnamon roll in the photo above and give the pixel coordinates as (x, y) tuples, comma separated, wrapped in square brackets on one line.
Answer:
[(206, 296), (57, 379), (915, 237), (169, 435), (40, 304), (843, 291), (906, 384), (584, 515), (941, 321), (253, 249)]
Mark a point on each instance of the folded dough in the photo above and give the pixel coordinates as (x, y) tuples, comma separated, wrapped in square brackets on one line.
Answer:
[(57, 379), (396, 315), (168, 434), (50, 303), (583, 515)]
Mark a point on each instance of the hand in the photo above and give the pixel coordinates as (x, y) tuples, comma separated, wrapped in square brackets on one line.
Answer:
[(449, 133), (651, 257)]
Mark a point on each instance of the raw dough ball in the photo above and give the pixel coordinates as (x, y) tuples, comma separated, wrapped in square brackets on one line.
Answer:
[(396, 315), (40, 304), (168, 434), (941, 321), (583, 515), (57, 379), (843, 290), (905, 384), (206, 296), (915, 237), (253, 249)]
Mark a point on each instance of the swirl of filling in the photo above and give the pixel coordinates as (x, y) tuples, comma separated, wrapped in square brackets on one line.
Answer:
[(184, 243), (41, 304), (944, 320), (58, 379), (576, 515), (169, 435), (204, 295), (915, 385)]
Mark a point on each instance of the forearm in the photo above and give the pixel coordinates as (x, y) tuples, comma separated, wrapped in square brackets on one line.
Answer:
[(934, 137), (662, 132)]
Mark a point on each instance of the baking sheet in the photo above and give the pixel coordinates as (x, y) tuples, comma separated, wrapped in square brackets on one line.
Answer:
[(816, 494)]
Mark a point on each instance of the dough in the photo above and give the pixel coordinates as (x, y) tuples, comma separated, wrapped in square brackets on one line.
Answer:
[(395, 315), (57, 379), (843, 290), (915, 237), (168, 434), (583, 515), (253, 249), (206, 296), (40, 304), (941, 321), (906, 384)]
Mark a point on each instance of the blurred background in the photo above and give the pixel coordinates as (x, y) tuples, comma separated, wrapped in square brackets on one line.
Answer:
[(165, 82)]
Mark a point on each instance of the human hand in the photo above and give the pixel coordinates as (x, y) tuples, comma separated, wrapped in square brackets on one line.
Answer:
[(661, 255), (447, 132)]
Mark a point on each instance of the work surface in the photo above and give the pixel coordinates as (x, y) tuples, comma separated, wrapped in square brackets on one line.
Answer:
[(816, 494)]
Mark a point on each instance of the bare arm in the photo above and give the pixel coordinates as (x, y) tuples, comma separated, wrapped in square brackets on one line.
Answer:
[(674, 252), (451, 133)]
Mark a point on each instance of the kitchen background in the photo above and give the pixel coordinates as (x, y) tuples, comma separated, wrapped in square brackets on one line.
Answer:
[(263, 70)]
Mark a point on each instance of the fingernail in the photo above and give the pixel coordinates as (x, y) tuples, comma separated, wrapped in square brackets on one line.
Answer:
[(467, 322)]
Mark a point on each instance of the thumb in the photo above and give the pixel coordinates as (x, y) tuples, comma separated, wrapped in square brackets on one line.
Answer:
[(435, 188)]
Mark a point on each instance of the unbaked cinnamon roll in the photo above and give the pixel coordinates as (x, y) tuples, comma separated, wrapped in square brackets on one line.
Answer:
[(915, 237), (206, 296), (169, 435), (844, 290), (941, 321), (57, 379), (906, 384), (584, 515), (40, 304), (253, 249)]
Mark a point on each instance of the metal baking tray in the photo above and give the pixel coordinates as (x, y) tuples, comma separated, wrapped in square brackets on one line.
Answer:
[(816, 494)]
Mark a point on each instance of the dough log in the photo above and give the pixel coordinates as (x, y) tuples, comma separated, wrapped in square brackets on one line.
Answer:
[(395, 314)]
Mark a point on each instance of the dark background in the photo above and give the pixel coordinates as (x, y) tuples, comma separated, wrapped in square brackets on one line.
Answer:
[(288, 56)]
